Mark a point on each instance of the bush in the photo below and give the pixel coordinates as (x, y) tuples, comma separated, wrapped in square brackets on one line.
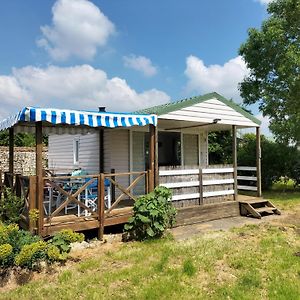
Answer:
[(64, 238), (278, 160), (31, 255), (10, 207), (6, 255), (20, 248), (152, 215)]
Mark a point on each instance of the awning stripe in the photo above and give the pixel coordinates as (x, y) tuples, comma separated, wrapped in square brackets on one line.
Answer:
[(75, 117)]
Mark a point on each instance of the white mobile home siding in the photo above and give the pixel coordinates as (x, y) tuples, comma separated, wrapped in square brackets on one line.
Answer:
[(138, 158), (203, 149), (207, 111), (190, 149), (116, 149), (61, 152)]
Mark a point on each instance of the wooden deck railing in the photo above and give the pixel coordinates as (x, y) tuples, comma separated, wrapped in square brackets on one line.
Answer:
[(68, 202), (247, 179), (196, 185)]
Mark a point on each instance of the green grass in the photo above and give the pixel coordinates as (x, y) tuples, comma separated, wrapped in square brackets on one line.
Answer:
[(252, 262), (284, 195)]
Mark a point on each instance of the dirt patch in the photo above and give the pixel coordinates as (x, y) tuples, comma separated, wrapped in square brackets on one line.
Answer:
[(224, 272)]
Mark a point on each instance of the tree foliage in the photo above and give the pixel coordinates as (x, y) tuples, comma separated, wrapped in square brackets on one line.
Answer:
[(278, 160), (220, 147), (20, 139), (272, 54)]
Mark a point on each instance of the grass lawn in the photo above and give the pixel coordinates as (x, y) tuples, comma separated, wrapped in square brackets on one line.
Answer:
[(252, 262)]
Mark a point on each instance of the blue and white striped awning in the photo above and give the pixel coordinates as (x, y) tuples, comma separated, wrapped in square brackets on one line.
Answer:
[(79, 118)]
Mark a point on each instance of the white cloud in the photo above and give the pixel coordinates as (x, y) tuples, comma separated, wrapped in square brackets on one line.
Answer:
[(265, 122), (141, 64), (223, 79), (78, 29), (78, 87), (264, 2), (12, 95)]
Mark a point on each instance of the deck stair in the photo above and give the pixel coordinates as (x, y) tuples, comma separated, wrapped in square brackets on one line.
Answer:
[(257, 207)]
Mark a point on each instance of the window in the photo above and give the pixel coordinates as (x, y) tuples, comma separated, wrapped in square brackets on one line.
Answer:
[(76, 151)]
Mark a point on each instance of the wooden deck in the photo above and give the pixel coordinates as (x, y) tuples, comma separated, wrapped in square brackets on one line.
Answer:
[(185, 216), (117, 216), (207, 212)]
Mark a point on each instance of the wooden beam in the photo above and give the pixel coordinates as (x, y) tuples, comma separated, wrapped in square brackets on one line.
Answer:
[(32, 201), (11, 150), (152, 157), (156, 169), (39, 174), (101, 205), (258, 161), (234, 159)]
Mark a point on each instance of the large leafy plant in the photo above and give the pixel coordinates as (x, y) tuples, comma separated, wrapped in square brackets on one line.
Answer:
[(152, 215)]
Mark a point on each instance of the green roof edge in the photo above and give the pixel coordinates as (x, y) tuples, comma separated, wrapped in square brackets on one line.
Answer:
[(172, 106)]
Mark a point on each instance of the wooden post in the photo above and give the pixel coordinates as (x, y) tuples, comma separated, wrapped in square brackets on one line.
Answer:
[(258, 161), (11, 150), (234, 158), (200, 186), (101, 205), (113, 187), (39, 174), (153, 161), (156, 169), (32, 201), (101, 151)]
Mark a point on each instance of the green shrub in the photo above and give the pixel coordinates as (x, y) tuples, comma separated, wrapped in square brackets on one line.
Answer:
[(31, 255), (11, 234), (53, 254), (152, 215), (64, 238), (6, 255), (21, 248), (277, 160), (10, 207)]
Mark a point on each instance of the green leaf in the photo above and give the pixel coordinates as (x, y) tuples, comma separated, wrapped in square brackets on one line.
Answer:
[(150, 232)]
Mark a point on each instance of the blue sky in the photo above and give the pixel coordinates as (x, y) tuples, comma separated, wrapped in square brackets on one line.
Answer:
[(121, 54)]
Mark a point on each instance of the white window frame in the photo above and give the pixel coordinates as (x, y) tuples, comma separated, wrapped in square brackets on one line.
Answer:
[(76, 145)]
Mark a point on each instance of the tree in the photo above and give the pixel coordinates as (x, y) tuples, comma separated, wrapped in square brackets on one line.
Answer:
[(272, 53)]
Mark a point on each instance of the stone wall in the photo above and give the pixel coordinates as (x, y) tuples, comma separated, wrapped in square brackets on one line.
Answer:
[(24, 159)]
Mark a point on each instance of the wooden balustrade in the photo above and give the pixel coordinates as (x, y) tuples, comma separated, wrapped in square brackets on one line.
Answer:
[(59, 193)]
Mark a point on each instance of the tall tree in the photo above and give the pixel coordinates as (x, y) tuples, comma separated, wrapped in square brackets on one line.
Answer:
[(272, 54)]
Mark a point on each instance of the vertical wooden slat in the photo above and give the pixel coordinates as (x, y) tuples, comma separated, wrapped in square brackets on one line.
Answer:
[(258, 161), (101, 205), (39, 174), (113, 187), (11, 150), (234, 158), (200, 186), (32, 199)]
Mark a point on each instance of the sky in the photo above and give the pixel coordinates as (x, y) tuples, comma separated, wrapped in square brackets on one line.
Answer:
[(124, 55)]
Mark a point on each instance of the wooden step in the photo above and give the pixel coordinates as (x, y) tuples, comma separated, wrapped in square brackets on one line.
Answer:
[(265, 209), (250, 208), (254, 201)]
